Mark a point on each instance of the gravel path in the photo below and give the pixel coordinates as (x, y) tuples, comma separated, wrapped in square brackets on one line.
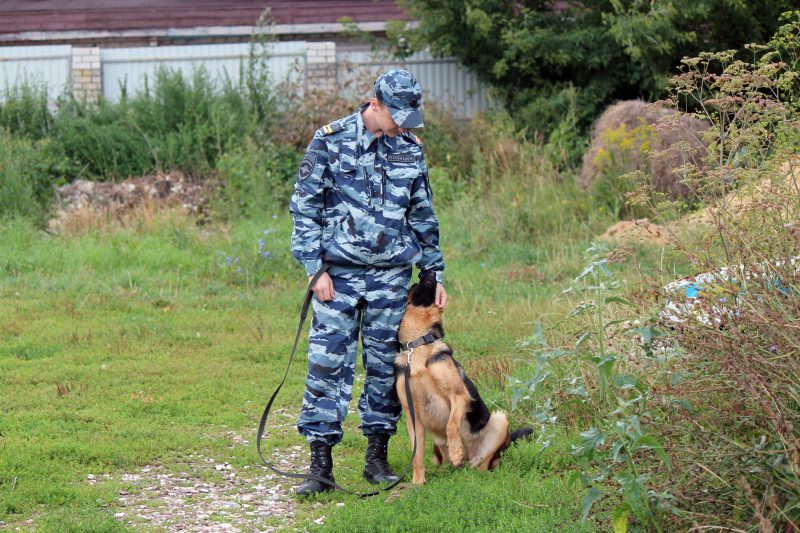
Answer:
[(207, 495)]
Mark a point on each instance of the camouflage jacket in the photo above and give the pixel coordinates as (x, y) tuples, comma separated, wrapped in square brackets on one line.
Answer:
[(362, 200)]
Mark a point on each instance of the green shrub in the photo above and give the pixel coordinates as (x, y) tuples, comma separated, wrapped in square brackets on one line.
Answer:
[(179, 122), (541, 57), (99, 141), (24, 110), (449, 143), (625, 147), (566, 142), (24, 181), (189, 122), (446, 189), (256, 179)]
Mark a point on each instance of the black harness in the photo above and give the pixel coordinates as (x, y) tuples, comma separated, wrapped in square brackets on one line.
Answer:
[(426, 339)]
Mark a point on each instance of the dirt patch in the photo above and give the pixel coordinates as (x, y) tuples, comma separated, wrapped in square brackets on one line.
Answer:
[(85, 203), (768, 194), (784, 188), (206, 494), (641, 230), (25, 525), (525, 273)]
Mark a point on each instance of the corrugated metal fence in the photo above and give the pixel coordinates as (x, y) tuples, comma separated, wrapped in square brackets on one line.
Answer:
[(443, 80), (130, 67), (47, 66)]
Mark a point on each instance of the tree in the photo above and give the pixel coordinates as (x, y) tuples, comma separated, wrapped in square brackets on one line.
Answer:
[(557, 61)]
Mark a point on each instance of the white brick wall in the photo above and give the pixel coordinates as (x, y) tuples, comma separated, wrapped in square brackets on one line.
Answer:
[(321, 52), (321, 66), (86, 73)]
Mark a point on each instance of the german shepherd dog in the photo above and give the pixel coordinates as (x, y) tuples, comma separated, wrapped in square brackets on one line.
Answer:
[(446, 402)]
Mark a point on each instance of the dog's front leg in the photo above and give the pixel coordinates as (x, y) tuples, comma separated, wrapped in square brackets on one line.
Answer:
[(455, 446), (419, 456)]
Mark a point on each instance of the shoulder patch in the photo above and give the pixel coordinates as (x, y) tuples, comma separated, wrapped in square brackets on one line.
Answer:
[(333, 127), (413, 138), (307, 165)]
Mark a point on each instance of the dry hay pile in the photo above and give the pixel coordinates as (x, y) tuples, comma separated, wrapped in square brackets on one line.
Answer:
[(640, 231), (630, 131), (83, 204)]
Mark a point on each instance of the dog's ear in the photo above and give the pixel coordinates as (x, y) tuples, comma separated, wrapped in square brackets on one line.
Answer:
[(429, 277)]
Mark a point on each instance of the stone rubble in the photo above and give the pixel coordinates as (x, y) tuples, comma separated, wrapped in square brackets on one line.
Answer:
[(115, 198)]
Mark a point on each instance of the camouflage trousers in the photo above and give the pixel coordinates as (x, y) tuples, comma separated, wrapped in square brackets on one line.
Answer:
[(370, 300)]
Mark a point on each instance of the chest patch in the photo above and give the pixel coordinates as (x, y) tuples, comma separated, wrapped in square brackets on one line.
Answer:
[(307, 165), (401, 158)]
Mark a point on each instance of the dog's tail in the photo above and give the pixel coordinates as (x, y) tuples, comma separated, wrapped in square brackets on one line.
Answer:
[(522, 433)]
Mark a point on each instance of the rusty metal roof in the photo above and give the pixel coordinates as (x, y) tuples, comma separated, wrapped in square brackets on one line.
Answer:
[(118, 15)]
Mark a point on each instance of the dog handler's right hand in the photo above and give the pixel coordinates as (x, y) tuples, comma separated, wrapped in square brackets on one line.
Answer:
[(323, 289)]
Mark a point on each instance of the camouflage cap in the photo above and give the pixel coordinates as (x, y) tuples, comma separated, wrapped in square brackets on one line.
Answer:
[(402, 94)]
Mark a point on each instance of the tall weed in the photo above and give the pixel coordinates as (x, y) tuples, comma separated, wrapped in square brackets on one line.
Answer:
[(24, 184), (100, 142), (188, 122), (601, 386), (24, 110), (741, 330), (256, 179), (514, 193)]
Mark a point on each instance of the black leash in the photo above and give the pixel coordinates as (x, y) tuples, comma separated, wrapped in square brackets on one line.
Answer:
[(303, 314)]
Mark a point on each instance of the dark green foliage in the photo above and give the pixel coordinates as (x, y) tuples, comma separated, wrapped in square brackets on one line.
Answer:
[(179, 121), (99, 141), (24, 181), (256, 179), (23, 110), (189, 122), (536, 54)]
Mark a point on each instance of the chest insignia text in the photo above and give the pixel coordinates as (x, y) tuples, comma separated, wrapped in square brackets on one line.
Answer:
[(401, 158)]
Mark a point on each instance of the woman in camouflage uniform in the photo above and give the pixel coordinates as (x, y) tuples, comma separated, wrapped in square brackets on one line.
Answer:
[(362, 204)]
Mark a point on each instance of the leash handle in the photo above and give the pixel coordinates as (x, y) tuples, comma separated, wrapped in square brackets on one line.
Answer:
[(265, 414)]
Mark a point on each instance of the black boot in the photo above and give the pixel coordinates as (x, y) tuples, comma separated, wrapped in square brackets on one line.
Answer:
[(376, 469), (321, 466)]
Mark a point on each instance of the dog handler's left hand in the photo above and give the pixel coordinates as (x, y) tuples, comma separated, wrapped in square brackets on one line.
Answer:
[(323, 288), (441, 296)]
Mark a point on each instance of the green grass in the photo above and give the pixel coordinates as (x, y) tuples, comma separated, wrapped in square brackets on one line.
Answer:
[(141, 346), (522, 495)]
